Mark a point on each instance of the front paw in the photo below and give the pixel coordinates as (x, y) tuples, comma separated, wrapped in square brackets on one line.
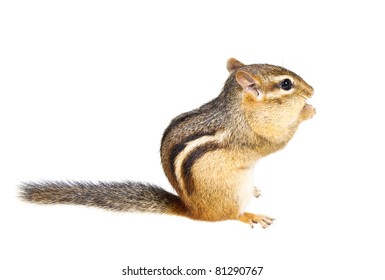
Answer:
[(256, 192), (307, 112)]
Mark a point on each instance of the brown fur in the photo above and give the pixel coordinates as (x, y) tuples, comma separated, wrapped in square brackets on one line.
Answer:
[(208, 154)]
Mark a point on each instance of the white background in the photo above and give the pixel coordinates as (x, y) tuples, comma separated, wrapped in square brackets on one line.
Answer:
[(87, 88)]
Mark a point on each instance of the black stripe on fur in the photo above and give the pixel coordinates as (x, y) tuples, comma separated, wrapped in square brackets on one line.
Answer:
[(188, 163)]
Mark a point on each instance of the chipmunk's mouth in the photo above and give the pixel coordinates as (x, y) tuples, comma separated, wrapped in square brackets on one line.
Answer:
[(304, 96)]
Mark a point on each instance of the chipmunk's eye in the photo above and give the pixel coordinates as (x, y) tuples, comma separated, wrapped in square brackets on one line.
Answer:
[(286, 84)]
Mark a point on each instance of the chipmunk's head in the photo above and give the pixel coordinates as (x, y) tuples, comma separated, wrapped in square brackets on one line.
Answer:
[(273, 98), (264, 81)]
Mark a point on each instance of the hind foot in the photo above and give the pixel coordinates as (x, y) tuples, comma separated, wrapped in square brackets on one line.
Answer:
[(251, 219)]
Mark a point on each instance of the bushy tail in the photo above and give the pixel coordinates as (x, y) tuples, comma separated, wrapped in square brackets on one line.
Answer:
[(117, 196)]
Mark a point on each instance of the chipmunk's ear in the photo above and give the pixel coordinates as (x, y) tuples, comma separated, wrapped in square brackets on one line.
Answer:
[(249, 83), (233, 64)]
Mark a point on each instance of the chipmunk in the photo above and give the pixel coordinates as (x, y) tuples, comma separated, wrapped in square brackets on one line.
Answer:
[(208, 154)]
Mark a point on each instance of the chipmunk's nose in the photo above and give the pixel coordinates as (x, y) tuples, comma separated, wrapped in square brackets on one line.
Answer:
[(308, 91), (311, 91)]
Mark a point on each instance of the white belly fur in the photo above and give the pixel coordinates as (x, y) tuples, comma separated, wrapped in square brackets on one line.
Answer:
[(245, 187)]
